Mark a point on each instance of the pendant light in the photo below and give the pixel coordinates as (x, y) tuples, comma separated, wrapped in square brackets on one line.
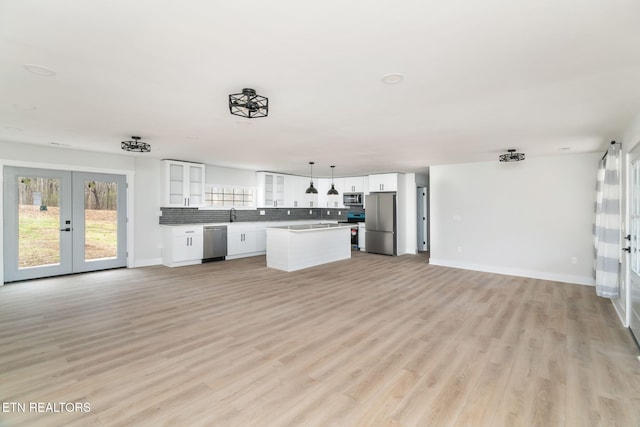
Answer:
[(311, 189), (332, 191)]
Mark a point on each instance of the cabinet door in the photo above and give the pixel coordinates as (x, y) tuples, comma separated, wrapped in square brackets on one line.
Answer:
[(269, 197), (175, 177), (383, 182), (235, 243), (187, 247), (301, 184), (241, 239), (294, 187), (354, 184), (272, 191), (196, 185), (278, 190)]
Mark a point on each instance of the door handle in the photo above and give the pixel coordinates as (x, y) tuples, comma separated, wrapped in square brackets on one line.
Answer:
[(627, 250), (65, 229)]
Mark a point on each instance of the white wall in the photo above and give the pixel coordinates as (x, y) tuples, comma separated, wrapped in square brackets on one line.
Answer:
[(146, 225), (526, 219)]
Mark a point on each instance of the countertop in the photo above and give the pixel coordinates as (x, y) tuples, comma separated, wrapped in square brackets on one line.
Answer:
[(269, 224), (310, 227)]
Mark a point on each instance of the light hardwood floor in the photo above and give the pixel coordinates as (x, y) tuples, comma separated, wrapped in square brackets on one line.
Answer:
[(371, 341)]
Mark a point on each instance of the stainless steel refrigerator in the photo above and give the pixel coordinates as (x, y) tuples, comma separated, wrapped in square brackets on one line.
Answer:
[(380, 220)]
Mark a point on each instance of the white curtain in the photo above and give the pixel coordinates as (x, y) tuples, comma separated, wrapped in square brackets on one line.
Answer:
[(607, 226)]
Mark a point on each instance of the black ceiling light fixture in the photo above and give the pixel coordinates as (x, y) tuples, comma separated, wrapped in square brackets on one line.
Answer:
[(332, 191), (248, 104), (135, 145), (311, 189), (511, 156)]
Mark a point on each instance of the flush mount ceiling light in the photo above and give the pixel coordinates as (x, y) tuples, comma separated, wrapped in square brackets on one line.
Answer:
[(248, 104), (393, 78), (332, 191), (311, 189), (40, 70), (135, 145), (511, 156)]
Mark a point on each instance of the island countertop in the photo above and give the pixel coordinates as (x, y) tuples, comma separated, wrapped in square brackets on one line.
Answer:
[(309, 227)]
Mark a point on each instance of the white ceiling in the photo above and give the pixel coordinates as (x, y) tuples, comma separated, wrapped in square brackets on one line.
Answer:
[(480, 77)]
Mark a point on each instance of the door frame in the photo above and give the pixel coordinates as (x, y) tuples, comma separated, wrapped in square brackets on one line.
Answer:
[(626, 291), (130, 175), (422, 202)]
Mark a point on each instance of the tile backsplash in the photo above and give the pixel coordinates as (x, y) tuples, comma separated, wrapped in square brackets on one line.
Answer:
[(173, 216)]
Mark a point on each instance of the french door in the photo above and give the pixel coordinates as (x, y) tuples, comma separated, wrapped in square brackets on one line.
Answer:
[(62, 222), (634, 222)]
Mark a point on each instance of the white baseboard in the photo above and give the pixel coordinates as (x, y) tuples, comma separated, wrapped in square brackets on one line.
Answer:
[(621, 314), (147, 262), (554, 277), (230, 257)]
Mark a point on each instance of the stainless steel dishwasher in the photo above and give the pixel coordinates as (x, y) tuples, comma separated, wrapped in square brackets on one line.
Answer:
[(215, 243)]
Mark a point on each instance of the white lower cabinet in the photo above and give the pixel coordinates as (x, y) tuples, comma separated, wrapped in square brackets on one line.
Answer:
[(182, 245), (241, 240)]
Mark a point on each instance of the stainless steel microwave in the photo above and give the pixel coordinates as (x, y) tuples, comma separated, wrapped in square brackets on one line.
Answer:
[(352, 199)]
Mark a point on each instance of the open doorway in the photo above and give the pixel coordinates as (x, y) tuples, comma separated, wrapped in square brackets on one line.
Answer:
[(422, 217)]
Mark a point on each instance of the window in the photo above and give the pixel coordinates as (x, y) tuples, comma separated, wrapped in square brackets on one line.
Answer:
[(230, 196)]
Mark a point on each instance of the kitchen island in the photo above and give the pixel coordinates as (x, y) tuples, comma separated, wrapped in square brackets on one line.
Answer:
[(295, 247)]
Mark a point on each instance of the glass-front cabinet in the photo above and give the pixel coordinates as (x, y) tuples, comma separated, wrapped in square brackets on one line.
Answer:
[(270, 190), (183, 184)]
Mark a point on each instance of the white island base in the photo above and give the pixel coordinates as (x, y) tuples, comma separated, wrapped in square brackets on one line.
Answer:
[(301, 246)]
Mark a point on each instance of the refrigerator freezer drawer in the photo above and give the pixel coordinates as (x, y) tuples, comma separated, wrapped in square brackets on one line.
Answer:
[(380, 242)]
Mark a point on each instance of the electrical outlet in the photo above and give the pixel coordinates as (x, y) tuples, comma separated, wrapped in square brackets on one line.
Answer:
[(310, 212), (339, 213), (328, 212), (288, 212), (262, 212), (574, 260)]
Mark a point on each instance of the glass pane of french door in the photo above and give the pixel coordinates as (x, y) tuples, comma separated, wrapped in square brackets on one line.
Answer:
[(100, 220), (37, 212), (99, 239), (38, 221)]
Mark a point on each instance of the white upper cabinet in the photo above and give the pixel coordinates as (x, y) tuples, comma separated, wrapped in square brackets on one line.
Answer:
[(183, 184), (294, 187), (271, 190), (354, 184), (383, 182)]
